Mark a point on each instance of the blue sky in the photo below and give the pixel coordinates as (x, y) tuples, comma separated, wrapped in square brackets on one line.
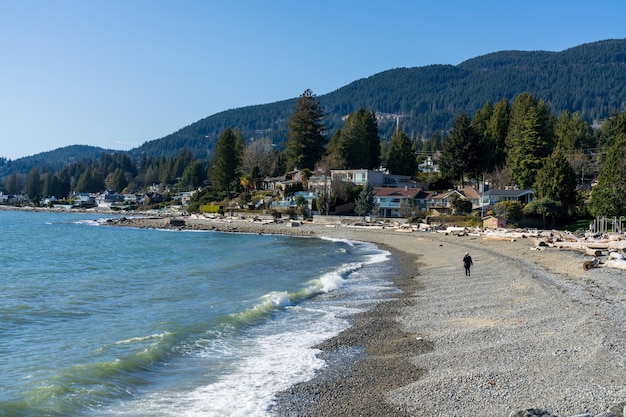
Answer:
[(116, 74)]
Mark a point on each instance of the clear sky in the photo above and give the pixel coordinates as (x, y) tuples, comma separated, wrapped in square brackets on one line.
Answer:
[(118, 73)]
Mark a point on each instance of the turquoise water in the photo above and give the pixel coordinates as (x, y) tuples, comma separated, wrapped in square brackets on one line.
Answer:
[(98, 320)]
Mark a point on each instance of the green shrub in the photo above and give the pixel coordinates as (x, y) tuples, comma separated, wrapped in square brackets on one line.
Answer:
[(212, 209)]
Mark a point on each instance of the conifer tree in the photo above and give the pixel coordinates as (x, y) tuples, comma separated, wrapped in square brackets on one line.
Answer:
[(13, 183), (556, 180), (193, 175), (572, 132), (495, 135), (116, 180), (401, 154), (65, 183), (480, 120), (608, 197), (365, 202), (530, 139), (357, 143), (33, 185), (463, 151), (306, 142), (226, 160)]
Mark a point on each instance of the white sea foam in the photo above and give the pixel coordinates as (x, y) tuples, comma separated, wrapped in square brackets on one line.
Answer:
[(270, 359), (140, 339), (89, 222), (277, 299), (335, 239), (334, 280), (279, 362)]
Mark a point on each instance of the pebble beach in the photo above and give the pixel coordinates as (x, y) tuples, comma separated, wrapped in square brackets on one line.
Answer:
[(529, 333)]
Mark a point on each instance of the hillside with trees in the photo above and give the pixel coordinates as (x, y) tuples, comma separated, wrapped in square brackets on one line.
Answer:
[(521, 142), (587, 79)]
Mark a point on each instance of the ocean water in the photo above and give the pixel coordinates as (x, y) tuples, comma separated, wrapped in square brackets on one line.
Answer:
[(107, 321)]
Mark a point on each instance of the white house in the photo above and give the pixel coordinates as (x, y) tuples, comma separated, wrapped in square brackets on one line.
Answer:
[(376, 178), (491, 197), (108, 199), (430, 164)]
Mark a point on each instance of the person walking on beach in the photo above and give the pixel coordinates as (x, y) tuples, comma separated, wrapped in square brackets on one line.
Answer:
[(467, 263)]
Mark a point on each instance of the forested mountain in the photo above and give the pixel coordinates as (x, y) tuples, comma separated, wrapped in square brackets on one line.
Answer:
[(588, 79), (53, 160)]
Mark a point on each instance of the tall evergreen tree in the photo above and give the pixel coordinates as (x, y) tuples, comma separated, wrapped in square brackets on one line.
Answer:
[(50, 185), (608, 197), (463, 151), (572, 132), (13, 184), (33, 185), (65, 183), (480, 120), (365, 202), (496, 133), (518, 113), (451, 162), (116, 180), (556, 180), (193, 175), (306, 142), (612, 128), (226, 160), (530, 139), (182, 160), (401, 154), (358, 143)]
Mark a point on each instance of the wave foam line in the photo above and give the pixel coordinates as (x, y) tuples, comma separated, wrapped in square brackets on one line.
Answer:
[(278, 300)]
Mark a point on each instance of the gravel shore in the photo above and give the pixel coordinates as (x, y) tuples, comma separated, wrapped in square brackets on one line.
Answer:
[(528, 329)]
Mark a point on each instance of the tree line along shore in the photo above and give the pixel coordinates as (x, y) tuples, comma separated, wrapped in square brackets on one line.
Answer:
[(574, 170)]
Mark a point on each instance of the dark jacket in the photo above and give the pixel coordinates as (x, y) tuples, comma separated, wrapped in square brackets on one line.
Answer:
[(467, 261)]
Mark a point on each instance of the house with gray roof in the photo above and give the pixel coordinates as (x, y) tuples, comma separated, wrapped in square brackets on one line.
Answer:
[(491, 197)]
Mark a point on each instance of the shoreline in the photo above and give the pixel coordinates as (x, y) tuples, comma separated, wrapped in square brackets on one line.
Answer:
[(364, 362), (529, 329)]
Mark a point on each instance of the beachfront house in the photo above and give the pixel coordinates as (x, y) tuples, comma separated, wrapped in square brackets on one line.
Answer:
[(472, 195), (83, 200), (131, 198), (282, 182), (491, 197), (109, 199), (440, 203), (377, 178), (399, 202)]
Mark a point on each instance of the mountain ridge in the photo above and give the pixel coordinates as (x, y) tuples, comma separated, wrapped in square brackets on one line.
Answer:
[(586, 78)]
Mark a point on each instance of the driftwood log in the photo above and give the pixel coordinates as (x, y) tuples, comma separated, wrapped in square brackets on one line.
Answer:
[(587, 265), (593, 252)]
